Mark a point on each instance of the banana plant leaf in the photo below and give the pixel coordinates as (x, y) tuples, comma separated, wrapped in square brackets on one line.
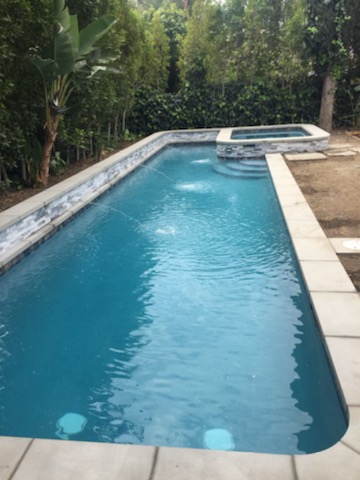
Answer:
[(70, 47), (46, 66), (93, 32), (72, 51), (66, 38)]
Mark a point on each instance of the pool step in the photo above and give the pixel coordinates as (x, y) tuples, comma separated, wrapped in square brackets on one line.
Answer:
[(249, 168)]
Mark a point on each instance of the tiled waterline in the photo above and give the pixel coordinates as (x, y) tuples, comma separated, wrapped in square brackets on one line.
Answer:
[(337, 307)]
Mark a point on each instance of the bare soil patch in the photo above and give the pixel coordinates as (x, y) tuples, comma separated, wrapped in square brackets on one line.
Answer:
[(332, 189), (331, 186)]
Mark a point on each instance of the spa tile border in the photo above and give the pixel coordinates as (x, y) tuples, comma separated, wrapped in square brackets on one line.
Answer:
[(337, 307)]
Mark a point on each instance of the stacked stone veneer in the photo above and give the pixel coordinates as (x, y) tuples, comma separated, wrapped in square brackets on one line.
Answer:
[(79, 194), (252, 150)]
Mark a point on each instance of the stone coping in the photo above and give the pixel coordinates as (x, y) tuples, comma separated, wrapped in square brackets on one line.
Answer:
[(337, 307), (316, 134)]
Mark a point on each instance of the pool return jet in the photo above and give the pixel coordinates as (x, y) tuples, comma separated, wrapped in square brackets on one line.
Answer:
[(218, 439), (70, 424)]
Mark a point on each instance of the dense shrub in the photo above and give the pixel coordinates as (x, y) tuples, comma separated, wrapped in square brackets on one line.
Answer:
[(205, 107)]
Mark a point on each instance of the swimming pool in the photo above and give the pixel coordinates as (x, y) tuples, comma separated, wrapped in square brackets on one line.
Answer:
[(184, 218)]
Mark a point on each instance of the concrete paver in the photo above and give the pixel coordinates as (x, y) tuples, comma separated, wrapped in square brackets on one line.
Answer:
[(287, 190), (298, 212), (11, 451), (314, 249), (305, 156), (60, 460), (185, 464), (326, 277), (339, 146), (337, 463), (345, 353), (338, 313), (336, 153), (305, 229), (352, 436), (292, 200)]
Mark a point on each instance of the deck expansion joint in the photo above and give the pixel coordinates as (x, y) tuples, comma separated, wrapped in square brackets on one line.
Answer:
[(16, 468), (154, 463), (341, 336), (351, 447), (293, 467)]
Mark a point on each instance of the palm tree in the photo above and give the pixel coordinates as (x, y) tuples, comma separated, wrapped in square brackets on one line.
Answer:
[(72, 51)]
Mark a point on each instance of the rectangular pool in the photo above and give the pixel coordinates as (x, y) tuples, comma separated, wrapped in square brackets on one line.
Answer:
[(171, 312)]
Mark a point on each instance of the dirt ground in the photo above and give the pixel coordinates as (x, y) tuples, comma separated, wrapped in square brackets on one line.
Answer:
[(332, 189), (331, 186)]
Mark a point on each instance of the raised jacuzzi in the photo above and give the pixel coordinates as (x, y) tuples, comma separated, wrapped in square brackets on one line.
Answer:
[(246, 142)]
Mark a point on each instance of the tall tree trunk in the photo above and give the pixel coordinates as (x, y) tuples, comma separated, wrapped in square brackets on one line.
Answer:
[(123, 125), (50, 137), (23, 170), (327, 102), (186, 8), (116, 127), (3, 175)]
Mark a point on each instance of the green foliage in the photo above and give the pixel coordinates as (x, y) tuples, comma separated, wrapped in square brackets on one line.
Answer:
[(347, 105), (72, 51), (206, 106), (100, 104), (290, 64), (173, 19), (158, 54), (20, 22), (196, 44), (57, 164), (233, 62), (326, 25)]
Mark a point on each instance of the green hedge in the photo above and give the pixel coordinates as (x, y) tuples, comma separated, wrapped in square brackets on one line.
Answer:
[(204, 107)]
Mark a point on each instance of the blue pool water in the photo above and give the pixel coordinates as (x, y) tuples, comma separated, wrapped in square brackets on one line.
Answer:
[(171, 312), (258, 134)]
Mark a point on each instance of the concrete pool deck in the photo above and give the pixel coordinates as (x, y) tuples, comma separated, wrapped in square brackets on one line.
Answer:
[(337, 307)]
